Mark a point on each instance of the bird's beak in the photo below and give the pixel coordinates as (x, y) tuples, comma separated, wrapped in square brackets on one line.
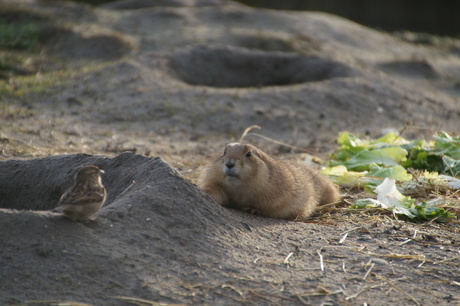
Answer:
[(102, 171)]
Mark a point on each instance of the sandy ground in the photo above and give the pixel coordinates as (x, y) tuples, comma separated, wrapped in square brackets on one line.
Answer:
[(169, 84)]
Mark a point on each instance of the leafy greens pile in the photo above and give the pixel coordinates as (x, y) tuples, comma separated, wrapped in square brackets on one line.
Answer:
[(382, 166)]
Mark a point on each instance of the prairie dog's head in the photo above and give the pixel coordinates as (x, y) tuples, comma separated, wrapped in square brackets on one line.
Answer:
[(241, 161)]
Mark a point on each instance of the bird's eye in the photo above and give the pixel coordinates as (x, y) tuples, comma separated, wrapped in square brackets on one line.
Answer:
[(249, 154)]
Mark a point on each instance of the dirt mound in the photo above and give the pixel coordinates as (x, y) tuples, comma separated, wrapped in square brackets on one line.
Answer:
[(159, 238), (140, 4), (222, 66), (37, 185), (150, 210), (412, 69), (76, 46), (35, 29)]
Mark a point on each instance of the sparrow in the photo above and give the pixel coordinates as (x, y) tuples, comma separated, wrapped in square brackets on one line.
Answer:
[(85, 197)]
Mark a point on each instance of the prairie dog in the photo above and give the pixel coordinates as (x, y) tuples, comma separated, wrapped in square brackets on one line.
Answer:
[(246, 178)]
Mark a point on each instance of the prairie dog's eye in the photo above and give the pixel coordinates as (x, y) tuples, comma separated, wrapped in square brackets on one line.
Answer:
[(249, 154)]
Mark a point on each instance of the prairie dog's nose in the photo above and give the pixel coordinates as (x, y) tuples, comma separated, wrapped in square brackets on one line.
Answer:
[(230, 163)]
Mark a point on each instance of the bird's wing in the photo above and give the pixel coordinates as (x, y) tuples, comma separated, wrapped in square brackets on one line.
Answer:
[(82, 196)]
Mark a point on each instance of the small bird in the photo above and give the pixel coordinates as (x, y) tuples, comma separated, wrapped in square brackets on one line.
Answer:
[(85, 197)]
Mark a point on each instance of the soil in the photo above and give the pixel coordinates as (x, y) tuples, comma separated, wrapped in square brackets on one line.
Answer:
[(150, 92)]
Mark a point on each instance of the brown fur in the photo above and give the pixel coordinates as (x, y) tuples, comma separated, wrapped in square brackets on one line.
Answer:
[(258, 183)]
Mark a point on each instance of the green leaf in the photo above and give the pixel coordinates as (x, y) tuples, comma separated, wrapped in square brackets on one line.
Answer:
[(425, 211), (366, 203), (364, 163), (451, 166), (388, 197), (349, 146), (447, 145), (349, 140), (390, 138), (397, 172), (341, 176), (388, 157)]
